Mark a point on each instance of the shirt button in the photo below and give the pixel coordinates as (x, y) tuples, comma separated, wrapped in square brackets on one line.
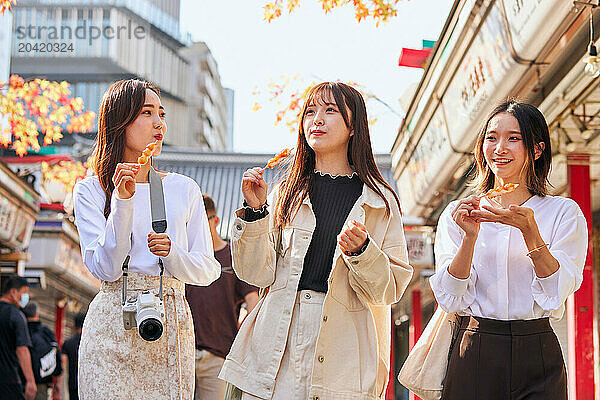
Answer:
[(324, 318), (355, 262), (321, 359), (307, 295), (238, 227), (305, 237), (316, 398)]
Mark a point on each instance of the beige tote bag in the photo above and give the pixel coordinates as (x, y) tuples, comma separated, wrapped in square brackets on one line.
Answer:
[(425, 367)]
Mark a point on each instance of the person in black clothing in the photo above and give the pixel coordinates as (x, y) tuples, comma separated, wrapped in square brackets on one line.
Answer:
[(45, 355), (15, 342), (70, 349)]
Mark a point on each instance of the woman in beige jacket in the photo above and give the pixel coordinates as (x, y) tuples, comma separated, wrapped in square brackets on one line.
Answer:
[(331, 249)]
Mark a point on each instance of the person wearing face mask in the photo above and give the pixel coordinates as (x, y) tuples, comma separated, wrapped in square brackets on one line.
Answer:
[(15, 342), (330, 246), (507, 265), (114, 221)]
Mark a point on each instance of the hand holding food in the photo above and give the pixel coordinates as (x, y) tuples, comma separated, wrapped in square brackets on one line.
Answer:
[(499, 191)]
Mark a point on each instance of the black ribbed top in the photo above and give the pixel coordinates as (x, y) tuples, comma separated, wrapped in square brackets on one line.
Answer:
[(332, 199)]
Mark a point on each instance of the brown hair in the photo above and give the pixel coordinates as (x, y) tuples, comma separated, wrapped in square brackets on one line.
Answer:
[(300, 175), (121, 105), (209, 203), (534, 130)]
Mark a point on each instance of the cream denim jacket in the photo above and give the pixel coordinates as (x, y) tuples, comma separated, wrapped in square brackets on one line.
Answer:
[(353, 347)]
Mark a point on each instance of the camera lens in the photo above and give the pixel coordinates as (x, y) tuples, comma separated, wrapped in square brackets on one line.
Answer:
[(150, 329)]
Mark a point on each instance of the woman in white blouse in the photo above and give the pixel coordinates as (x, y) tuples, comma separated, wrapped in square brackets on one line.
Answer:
[(112, 210), (507, 265)]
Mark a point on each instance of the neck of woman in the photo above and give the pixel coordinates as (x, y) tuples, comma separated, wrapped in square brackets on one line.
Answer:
[(333, 163)]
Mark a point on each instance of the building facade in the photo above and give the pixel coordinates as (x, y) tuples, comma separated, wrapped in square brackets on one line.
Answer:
[(488, 51), (209, 114), (92, 44)]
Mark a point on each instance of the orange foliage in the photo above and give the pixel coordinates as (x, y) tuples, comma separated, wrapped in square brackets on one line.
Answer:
[(6, 5), (379, 10), (65, 172), (31, 108), (290, 100)]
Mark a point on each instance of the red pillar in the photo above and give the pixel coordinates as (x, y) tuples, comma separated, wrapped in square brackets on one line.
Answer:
[(416, 324), (580, 305), (391, 389), (58, 332)]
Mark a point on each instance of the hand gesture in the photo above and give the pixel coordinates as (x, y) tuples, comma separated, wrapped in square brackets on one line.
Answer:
[(353, 238), (254, 187), (159, 244), (517, 216), (464, 217), (124, 179)]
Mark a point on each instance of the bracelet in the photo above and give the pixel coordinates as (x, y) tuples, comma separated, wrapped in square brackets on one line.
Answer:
[(260, 209), (537, 249), (359, 251)]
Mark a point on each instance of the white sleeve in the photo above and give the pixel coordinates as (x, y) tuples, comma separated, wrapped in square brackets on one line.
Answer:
[(451, 293), (569, 246), (104, 242), (195, 264)]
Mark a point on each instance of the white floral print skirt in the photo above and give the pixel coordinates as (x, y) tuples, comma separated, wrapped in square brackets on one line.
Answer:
[(117, 364)]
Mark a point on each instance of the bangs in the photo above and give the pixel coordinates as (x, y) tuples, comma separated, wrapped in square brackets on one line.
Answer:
[(327, 93)]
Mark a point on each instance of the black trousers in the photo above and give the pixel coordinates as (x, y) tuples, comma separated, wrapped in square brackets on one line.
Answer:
[(505, 360)]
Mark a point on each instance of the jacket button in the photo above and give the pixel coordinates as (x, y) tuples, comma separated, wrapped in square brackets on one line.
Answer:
[(316, 398), (354, 262), (305, 237), (321, 359), (238, 227), (324, 318), (307, 295)]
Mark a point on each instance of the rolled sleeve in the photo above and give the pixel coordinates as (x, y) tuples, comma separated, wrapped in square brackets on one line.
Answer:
[(569, 247)]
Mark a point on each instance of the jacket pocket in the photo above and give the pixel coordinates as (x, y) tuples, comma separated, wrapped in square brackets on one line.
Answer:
[(282, 269)]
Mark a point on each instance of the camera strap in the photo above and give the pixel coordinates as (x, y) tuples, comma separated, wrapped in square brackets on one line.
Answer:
[(159, 225), (159, 214)]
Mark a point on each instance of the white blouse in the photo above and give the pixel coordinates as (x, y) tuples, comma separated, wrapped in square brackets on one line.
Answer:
[(503, 284), (105, 242)]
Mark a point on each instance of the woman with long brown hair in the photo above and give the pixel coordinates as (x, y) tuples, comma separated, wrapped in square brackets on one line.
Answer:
[(330, 248), (112, 211), (506, 265)]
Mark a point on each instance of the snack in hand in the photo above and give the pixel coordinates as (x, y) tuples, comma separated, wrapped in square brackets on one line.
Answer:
[(147, 153), (273, 162), (499, 191)]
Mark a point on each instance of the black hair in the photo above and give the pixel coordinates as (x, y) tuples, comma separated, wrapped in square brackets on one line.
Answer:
[(14, 282), (30, 310), (79, 318)]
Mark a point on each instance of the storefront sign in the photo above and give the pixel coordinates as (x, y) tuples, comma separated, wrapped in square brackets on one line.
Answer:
[(420, 249), (532, 22)]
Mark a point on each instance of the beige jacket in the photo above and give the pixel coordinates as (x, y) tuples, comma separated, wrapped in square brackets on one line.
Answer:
[(353, 347)]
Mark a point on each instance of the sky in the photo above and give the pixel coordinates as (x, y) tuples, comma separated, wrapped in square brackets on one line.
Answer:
[(309, 45)]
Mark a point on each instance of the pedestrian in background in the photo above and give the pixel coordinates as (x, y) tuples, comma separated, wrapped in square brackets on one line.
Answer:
[(70, 355), (507, 266), (331, 249), (45, 355), (216, 311), (114, 221), (15, 342)]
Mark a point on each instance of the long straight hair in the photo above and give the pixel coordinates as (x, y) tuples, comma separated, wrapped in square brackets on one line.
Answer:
[(534, 130), (299, 179), (121, 105)]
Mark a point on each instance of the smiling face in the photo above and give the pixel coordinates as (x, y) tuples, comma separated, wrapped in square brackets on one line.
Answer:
[(149, 126), (503, 148), (323, 124)]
